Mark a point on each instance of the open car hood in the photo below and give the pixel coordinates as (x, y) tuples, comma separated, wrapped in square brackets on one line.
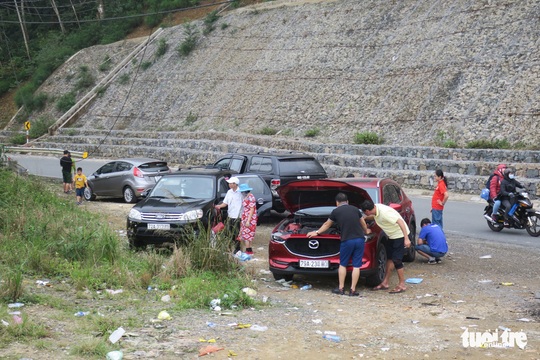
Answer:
[(302, 194)]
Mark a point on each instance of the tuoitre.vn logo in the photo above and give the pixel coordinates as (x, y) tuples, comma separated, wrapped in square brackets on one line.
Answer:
[(494, 339)]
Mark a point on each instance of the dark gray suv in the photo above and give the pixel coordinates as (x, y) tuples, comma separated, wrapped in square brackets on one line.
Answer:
[(275, 168)]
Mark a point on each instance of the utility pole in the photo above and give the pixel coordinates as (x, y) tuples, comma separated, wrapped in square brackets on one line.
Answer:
[(75, 12), (23, 27)]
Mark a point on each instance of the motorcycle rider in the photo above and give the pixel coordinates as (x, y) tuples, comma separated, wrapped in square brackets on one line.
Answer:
[(494, 189), (508, 192)]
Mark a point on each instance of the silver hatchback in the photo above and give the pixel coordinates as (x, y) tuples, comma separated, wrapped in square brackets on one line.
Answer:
[(127, 178)]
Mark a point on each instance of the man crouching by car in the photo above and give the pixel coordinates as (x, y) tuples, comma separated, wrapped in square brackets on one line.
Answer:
[(353, 227)]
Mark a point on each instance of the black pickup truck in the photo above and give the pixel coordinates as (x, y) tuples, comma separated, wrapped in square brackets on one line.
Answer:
[(275, 168)]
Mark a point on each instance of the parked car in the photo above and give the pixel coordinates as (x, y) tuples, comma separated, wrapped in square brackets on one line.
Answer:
[(178, 204), (277, 169), (261, 191), (127, 178), (310, 203)]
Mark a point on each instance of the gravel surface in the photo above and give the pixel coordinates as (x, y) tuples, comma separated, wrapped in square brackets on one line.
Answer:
[(426, 321)]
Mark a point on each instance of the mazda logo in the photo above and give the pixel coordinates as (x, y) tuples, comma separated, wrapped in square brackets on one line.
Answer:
[(313, 244)]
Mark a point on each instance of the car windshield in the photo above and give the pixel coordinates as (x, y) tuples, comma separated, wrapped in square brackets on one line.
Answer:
[(300, 165), (187, 187), (373, 194)]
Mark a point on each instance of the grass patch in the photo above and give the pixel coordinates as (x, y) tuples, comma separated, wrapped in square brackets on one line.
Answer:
[(27, 331), (124, 79), (85, 79), (191, 118), (162, 48), (91, 348), (18, 139), (66, 102), (488, 144), (40, 127), (312, 133), (146, 64), (106, 64), (368, 137), (268, 131)]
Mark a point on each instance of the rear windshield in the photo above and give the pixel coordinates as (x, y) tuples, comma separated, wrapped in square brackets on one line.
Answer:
[(305, 166), (154, 166)]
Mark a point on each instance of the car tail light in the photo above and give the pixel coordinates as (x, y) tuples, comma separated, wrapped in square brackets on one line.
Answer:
[(274, 183), (137, 172)]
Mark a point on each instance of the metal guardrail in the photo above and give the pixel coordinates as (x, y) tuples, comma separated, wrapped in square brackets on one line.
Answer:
[(46, 151)]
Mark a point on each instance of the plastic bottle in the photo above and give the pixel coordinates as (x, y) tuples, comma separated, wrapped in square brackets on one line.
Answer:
[(115, 355), (81, 313), (306, 287), (333, 338), (116, 335)]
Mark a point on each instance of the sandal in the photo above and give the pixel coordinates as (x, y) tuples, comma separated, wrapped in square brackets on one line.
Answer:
[(397, 291), (379, 287), (338, 291)]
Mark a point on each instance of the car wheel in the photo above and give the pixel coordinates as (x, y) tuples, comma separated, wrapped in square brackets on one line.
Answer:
[(378, 277), (129, 195), (135, 244), (533, 225), (410, 255), (89, 194), (286, 277)]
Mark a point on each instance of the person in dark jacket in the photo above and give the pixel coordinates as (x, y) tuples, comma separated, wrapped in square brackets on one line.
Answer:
[(508, 192)]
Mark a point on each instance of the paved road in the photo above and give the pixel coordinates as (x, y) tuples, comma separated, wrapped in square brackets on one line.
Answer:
[(460, 217)]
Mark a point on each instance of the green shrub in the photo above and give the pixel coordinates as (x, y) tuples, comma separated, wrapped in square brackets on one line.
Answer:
[(191, 118), (65, 102), (124, 79), (224, 26), (488, 144), (145, 65), (190, 40), (26, 97), (368, 138), (312, 132), (106, 64), (450, 144), (209, 21), (40, 127), (85, 78), (268, 131), (18, 139), (162, 48)]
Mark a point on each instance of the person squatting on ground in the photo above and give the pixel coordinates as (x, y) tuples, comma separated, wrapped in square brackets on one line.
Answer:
[(440, 196), (80, 184), (249, 219), (67, 167), (233, 202), (391, 222), (495, 188), (508, 193), (431, 242), (353, 227)]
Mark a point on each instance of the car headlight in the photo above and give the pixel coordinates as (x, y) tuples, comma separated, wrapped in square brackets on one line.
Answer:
[(134, 214), (192, 215), (277, 238)]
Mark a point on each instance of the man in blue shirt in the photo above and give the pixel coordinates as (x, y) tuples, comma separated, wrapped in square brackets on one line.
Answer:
[(431, 242)]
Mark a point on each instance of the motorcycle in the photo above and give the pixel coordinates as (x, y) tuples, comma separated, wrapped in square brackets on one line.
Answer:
[(525, 216)]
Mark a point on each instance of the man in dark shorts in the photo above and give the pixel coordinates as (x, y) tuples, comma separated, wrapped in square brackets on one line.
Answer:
[(67, 165), (352, 227), (391, 222)]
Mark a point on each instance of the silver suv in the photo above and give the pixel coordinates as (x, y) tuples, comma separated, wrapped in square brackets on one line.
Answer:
[(127, 178)]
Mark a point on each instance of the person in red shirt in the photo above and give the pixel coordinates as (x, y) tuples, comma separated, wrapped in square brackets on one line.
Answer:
[(495, 188), (440, 196)]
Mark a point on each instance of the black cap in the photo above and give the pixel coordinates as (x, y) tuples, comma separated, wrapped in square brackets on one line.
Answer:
[(66, 152)]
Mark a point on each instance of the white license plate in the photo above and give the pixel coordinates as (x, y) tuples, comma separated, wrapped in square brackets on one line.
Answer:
[(159, 226), (320, 264)]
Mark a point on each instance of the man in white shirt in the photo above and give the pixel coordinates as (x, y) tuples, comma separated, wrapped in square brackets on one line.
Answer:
[(233, 202)]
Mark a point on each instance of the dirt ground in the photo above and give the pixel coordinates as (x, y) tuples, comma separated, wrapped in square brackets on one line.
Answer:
[(465, 292)]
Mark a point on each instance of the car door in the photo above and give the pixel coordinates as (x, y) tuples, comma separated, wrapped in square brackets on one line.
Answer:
[(101, 181), (121, 175)]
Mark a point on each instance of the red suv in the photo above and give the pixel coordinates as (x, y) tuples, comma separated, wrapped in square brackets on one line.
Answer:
[(310, 203)]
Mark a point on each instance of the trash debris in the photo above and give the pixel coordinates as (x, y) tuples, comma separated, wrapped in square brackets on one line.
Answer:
[(116, 335), (242, 326), (209, 350), (258, 328), (385, 349), (43, 283), (211, 324), (485, 257), (317, 321), (166, 298), (333, 338), (414, 280), (163, 315), (207, 341), (17, 319), (81, 313), (15, 305), (231, 353), (265, 299), (472, 318), (5, 323), (327, 332), (214, 303), (524, 320), (226, 314), (503, 328), (415, 321), (506, 283), (306, 287), (264, 271), (242, 256), (249, 291), (115, 355), (486, 281), (457, 301), (114, 292)]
